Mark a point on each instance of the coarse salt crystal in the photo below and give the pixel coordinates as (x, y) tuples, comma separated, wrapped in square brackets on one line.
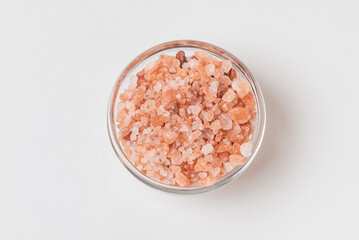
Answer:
[(208, 116), (228, 167), (208, 158), (202, 174), (209, 69), (133, 81), (206, 149), (181, 112), (135, 131), (163, 173), (229, 96), (241, 86), (213, 86), (226, 66), (216, 171), (246, 149)]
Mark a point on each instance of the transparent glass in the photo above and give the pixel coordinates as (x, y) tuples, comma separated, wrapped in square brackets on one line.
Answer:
[(171, 48)]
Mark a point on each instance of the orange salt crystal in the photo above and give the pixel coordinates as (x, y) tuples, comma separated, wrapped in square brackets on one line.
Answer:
[(169, 95), (236, 148), (240, 115), (224, 148), (201, 165), (248, 100), (176, 158)]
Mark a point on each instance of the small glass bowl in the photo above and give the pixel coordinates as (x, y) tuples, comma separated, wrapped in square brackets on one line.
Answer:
[(171, 48)]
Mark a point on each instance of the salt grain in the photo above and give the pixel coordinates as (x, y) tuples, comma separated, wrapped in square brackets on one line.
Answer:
[(246, 149), (206, 149)]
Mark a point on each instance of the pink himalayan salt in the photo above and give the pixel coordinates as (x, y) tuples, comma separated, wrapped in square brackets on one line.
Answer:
[(225, 121), (226, 66), (170, 137), (194, 135), (209, 69), (208, 116), (206, 149), (216, 125), (181, 179), (176, 158), (213, 86), (202, 174), (194, 109), (242, 87), (216, 171), (240, 115), (228, 167), (229, 96), (183, 148), (246, 149), (236, 160)]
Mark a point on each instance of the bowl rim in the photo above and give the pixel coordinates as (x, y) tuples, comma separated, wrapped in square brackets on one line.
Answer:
[(214, 50)]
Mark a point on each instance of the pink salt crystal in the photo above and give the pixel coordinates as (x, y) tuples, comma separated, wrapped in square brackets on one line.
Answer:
[(147, 130), (229, 96), (135, 131), (151, 66), (216, 171), (225, 121), (208, 116), (192, 63), (181, 179), (163, 173), (140, 167), (194, 135), (169, 95), (175, 169), (208, 158), (206, 149), (246, 149), (226, 66), (228, 166), (236, 160), (209, 69), (176, 158), (130, 105), (242, 87), (202, 174), (213, 86), (181, 112), (133, 81), (170, 137), (133, 137), (216, 125), (194, 109), (225, 80), (127, 121)]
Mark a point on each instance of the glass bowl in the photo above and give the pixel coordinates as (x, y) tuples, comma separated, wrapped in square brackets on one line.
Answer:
[(171, 48)]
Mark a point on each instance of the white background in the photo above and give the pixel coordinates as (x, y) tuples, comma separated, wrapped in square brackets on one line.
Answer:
[(60, 179)]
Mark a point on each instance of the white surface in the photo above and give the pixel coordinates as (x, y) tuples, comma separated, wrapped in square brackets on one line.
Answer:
[(60, 179)]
